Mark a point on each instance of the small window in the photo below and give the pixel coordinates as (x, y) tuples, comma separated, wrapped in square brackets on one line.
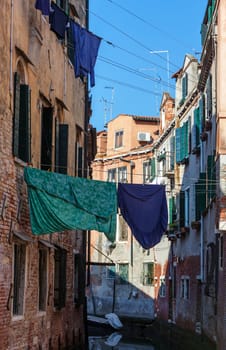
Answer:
[(79, 282), (162, 289), (19, 278), (46, 138), (63, 4), (43, 253), (112, 175), (123, 273), (60, 278), (185, 288), (21, 120), (119, 139), (122, 174), (148, 274), (149, 170)]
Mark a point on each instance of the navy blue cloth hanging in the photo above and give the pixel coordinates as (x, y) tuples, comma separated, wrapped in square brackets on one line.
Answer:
[(43, 6), (144, 208), (86, 51), (58, 21)]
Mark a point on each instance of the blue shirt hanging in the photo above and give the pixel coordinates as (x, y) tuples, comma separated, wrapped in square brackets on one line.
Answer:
[(144, 208), (43, 6), (86, 51), (58, 21)]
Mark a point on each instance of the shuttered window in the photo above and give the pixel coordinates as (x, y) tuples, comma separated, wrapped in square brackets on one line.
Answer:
[(46, 138), (172, 210), (182, 209), (202, 112), (211, 177), (209, 97), (149, 170), (200, 196), (42, 278), (148, 274), (184, 86), (60, 278), (177, 145), (197, 128), (19, 278), (21, 120), (61, 148)]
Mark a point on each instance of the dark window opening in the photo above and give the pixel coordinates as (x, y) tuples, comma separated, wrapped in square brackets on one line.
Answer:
[(46, 138), (60, 278), (19, 278), (42, 279)]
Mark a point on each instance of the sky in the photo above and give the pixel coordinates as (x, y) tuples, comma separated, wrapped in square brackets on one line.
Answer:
[(143, 44)]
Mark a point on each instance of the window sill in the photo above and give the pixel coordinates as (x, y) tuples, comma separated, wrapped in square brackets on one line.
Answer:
[(17, 318)]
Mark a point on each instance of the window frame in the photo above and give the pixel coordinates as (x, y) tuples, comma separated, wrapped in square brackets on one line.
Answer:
[(60, 280), (119, 139), (43, 280), (162, 287), (185, 287), (121, 279), (150, 279)]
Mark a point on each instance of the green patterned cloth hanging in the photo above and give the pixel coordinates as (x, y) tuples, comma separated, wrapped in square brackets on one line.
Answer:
[(59, 202)]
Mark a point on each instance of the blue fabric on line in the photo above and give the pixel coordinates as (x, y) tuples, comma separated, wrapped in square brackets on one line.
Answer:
[(144, 208), (43, 6), (58, 21), (86, 50)]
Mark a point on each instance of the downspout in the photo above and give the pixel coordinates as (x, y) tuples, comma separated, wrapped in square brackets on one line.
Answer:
[(201, 226), (11, 52)]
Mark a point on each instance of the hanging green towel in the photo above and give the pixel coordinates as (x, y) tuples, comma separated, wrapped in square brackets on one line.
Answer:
[(59, 202)]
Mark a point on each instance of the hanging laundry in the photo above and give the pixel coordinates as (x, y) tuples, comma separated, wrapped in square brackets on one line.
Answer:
[(58, 21), (59, 202), (144, 208), (43, 6), (86, 51)]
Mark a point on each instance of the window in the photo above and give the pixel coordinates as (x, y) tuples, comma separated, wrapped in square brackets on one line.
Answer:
[(148, 274), (221, 251), (61, 148), (110, 272), (200, 196), (112, 175), (184, 86), (43, 253), (63, 4), (122, 229), (79, 153), (119, 139), (149, 170), (187, 207), (185, 286), (123, 273), (21, 120), (19, 278), (122, 174), (46, 138), (60, 278), (162, 289), (79, 281)]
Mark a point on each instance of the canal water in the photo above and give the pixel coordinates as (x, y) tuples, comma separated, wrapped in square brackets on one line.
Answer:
[(131, 338)]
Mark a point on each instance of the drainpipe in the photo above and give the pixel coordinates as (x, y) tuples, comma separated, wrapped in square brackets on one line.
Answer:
[(202, 224), (11, 52)]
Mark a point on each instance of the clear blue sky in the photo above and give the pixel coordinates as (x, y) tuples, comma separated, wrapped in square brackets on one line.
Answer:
[(130, 77)]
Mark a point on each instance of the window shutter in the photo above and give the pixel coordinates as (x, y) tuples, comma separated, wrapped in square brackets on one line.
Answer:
[(186, 140), (185, 86), (211, 174), (197, 127), (177, 135), (200, 195), (182, 142), (24, 124), (63, 148), (209, 97), (80, 161), (153, 172), (171, 210), (16, 118), (202, 112), (172, 152), (46, 148), (182, 208)]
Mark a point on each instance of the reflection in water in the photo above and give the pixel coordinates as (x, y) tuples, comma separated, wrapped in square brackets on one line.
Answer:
[(115, 341)]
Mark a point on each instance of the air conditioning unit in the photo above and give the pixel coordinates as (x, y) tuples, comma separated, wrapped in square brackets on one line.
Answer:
[(143, 136)]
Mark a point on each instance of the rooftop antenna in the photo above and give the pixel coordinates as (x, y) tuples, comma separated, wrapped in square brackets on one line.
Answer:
[(112, 98)]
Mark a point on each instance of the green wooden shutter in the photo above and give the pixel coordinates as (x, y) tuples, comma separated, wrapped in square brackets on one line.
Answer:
[(46, 143), (172, 153), (182, 208), (182, 142), (211, 175), (177, 144), (209, 97), (202, 112), (153, 172), (197, 126), (80, 161), (24, 124), (184, 86), (170, 210), (63, 148), (200, 195), (186, 140), (16, 116)]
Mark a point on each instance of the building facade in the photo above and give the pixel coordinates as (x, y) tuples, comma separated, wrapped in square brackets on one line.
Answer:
[(44, 123)]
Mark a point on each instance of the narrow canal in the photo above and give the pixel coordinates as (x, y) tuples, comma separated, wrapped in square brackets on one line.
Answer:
[(145, 337)]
